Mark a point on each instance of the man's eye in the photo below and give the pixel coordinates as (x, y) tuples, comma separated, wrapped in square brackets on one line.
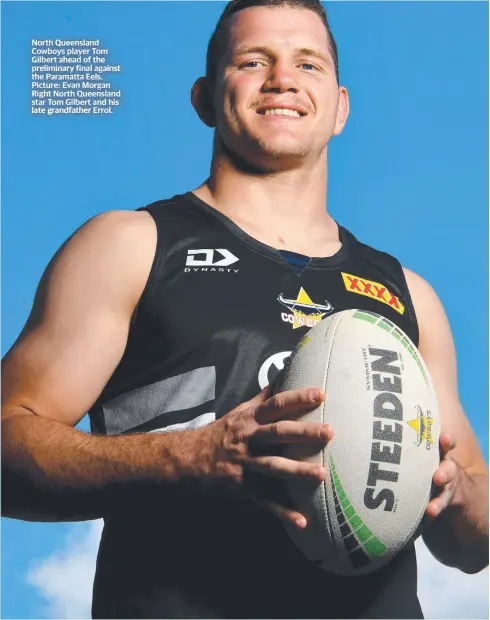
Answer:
[(251, 64), (308, 66)]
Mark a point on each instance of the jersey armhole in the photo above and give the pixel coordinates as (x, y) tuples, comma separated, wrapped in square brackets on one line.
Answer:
[(150, 282), (410, 306)]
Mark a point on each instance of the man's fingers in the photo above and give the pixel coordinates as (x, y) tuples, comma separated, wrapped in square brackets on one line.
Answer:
[(446, 443), (288, 431), (444, 476), (261, 397), (439, 503), (287, 515), (445, 473), (254, 402), (286, 469), (293, 402)]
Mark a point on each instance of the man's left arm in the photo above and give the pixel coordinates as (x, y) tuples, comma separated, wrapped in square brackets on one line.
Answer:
[(458, 535)]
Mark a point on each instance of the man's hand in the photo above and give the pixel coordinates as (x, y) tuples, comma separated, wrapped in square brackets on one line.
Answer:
[(459, 531), (234, 444), (447, 478)]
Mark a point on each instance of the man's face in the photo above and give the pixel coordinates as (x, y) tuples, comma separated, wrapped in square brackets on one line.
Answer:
[(277, 101)]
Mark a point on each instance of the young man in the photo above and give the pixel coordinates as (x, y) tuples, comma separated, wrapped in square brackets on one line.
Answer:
[(192, 513)]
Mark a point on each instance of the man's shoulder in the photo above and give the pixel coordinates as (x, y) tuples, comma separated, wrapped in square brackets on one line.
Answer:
[(118, 221), (112, 228), (110, 244), (425, 297), (129, 235)]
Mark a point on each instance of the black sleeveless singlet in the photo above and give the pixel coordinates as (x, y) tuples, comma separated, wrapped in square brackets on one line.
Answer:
[(219, 315)]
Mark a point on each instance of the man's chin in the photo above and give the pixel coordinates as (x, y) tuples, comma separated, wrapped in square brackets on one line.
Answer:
[(281, 149), (263, 156), (279, 157), (284, 154)]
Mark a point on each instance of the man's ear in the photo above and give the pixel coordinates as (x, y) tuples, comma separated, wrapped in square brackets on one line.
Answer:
[(202, 101)]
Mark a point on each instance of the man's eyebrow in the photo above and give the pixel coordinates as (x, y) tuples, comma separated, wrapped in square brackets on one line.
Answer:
[(255, 49), (307, 51)]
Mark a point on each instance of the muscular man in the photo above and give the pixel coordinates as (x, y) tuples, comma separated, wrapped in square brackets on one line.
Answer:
[(173, 318)]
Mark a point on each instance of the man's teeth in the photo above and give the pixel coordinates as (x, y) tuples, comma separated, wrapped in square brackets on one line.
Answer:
[(282, 112)]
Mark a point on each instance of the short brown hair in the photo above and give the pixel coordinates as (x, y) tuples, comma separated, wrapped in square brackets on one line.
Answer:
[(219, 38)]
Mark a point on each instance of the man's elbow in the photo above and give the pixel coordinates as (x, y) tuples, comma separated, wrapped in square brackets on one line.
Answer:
[(467, 561), (475, 563)]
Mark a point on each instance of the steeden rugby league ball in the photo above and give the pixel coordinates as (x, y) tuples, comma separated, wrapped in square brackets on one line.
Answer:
[(381, 403)]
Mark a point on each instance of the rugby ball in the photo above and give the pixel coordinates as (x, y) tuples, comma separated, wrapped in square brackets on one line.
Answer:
[(381, 403)]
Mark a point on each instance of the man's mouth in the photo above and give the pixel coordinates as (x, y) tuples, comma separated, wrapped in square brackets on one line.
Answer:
[(281, 112)]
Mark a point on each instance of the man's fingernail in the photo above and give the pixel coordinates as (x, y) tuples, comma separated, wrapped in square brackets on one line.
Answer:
[(327, 430), (301, 522)]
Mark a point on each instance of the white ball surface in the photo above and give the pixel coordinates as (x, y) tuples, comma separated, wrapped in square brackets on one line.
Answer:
[(381, 403)]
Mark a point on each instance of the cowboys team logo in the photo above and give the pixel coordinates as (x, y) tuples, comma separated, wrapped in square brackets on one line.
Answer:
[(422, 425), (303, 312)]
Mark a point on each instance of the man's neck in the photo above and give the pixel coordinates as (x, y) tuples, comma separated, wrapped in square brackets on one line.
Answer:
[(286, 209)]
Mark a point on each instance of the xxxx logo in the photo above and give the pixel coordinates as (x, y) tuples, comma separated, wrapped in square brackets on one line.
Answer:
[(375, 290)]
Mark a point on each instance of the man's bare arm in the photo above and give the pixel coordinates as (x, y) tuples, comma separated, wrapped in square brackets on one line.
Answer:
[(72, 342), (459, 535)]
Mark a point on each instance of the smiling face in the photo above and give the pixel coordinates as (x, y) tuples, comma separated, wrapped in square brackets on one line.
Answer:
[(276, 99)]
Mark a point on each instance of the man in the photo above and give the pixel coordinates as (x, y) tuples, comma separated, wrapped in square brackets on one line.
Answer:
[(192, 514)]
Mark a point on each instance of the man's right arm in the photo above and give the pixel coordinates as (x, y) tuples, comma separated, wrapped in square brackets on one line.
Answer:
[(71, 344)]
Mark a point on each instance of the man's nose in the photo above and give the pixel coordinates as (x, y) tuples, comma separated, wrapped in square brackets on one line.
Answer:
[(281, 78)]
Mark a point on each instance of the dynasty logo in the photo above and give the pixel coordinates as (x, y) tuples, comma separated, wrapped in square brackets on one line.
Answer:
[(218, 260), (375, 290), (422, 425), (303, 312)]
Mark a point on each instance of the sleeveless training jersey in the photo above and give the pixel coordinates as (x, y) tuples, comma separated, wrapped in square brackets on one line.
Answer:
[(219, 315)]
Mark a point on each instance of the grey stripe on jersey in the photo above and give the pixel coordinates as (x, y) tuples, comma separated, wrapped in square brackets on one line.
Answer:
[(199, 422), (143, 404)]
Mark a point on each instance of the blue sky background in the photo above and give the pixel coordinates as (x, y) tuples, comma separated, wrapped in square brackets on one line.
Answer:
[(409, 175)]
